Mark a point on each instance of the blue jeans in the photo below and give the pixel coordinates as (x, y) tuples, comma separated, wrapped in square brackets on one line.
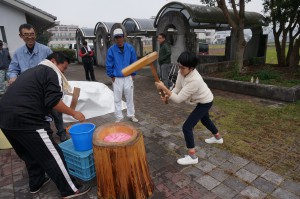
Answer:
[(199, 113)]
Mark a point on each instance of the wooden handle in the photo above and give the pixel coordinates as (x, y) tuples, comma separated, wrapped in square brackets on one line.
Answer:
[(75, 97), (154, 73)]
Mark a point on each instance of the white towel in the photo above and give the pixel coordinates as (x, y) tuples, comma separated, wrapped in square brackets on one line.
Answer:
[(66, 88)]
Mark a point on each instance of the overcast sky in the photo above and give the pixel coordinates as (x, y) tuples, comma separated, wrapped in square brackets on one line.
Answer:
[(86, 13)]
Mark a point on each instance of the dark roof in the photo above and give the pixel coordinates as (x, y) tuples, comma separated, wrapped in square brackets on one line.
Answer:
[(134, 25), (106, 25), (205, 17), (86, 32)]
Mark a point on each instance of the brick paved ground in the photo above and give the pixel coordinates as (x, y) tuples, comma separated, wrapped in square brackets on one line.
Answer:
[(218, 174)]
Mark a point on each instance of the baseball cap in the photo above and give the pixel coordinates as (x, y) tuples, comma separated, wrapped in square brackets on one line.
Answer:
[(118, 32)]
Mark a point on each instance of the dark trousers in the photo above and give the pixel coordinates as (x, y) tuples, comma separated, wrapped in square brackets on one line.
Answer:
[(89, 71), (164, 74), (199, 113), (42, 155), (58, 121)]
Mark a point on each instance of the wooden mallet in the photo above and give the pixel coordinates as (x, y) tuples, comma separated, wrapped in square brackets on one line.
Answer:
[(75, 96), (144, 61)]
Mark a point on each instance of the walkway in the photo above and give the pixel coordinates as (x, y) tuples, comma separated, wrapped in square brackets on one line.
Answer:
[(218, 174)]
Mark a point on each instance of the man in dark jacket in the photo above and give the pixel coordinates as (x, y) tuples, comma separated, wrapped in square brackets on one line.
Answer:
[(4, 63), (164, 59), (23, 108)]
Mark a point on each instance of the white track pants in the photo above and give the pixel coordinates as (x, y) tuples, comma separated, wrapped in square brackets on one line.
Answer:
[(120, 85)]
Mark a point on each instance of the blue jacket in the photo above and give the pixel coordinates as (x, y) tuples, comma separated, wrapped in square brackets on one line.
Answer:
[(116, 60), (23, 60)]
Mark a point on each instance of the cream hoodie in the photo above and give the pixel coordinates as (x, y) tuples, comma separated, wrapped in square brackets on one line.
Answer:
[(191, 89)]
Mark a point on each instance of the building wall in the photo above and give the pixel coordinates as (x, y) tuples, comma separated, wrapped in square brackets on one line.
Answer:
[(63, 35), (10, 20)]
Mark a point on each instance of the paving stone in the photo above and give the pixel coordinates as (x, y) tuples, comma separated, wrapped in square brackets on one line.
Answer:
[(235, 183), (284, 194), (216, 160), (157, 195), (5, 158), (193, 172), (5, 180), (252, 192), (224, 192), (164, 133), (219, 174), (93, 193), (182, 194), (180, 179), (246, 175), (291, 186), (201, 154), (205, 166), (208, 182), (238, 161), (168, 187), (7, 191), (5, 170), (272, 177), (224, 154), (264, 185), (229, 167), (254, 168)]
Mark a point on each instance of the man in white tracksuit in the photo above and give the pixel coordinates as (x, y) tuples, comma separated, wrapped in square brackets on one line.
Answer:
[(119, 56)]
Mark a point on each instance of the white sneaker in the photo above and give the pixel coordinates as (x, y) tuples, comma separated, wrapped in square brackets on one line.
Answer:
[(134, 119), (187, 160), (214, 140), (119, 119)]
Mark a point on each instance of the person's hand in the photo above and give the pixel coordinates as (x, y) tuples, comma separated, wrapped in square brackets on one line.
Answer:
[(159, 85), (79, 116), (113, 79), (132, 77), (164, 98), (11, 80)]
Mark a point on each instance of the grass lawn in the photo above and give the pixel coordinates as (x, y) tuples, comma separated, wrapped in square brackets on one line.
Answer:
[(264, 134), (267, 74)]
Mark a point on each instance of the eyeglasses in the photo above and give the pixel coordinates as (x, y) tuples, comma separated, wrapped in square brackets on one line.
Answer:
[(28, 34), (117, 37)]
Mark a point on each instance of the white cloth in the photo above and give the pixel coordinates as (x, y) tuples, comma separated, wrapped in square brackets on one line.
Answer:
[(120, 85), (95, 99)]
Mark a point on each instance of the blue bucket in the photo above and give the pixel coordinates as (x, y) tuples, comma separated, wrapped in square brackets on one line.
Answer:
[(82, 135)]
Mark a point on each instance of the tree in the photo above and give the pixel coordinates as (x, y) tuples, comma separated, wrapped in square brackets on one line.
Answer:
[(44, 37), (237, 24), (284, 16)]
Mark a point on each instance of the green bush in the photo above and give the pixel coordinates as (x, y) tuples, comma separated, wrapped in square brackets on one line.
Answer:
[(69, 52), (267, 74)]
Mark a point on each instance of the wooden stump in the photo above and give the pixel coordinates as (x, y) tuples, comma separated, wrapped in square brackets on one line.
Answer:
[(121, 168)]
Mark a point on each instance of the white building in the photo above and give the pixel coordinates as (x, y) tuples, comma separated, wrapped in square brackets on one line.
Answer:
[(62, 35), (13, 13)]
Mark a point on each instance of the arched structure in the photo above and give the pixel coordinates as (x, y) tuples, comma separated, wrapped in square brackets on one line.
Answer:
[(81, 35), (102, 41), (136, 29), (180, 21)]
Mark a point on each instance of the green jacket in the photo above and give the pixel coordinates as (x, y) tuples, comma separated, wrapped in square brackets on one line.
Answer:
[(164, 54)]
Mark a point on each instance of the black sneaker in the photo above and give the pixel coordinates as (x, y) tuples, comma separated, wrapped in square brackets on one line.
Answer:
[(62, 136), (82, 190), (46, 181)]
